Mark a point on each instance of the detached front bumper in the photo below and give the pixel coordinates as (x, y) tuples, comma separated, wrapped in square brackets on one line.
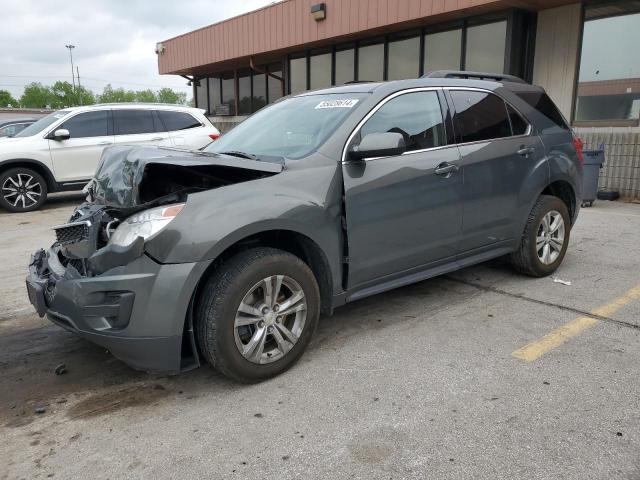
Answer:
[(136, 311)]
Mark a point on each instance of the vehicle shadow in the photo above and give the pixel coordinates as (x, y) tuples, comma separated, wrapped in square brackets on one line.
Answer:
[(97, 383)]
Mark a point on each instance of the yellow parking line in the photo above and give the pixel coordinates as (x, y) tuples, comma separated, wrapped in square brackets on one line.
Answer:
[(557, 337), (615, 305)]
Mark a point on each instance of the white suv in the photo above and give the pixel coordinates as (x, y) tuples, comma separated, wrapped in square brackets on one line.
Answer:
[(61, 151)]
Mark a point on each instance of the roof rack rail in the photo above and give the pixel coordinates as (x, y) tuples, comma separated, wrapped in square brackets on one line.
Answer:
[(497, 77), (355, 82)]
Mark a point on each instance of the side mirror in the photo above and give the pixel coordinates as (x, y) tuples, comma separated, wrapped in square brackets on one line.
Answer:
[(61, 134), (385, 144)]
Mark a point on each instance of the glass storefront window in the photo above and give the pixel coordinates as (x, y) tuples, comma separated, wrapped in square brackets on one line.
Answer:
[(259, 99), (442, 50), (244, 93), (214, 94), (486, 47), (371, 62), (404, 59), (227, 107), (298, 74), (275, 86), (320, 74), (344, 66), (609, 79)]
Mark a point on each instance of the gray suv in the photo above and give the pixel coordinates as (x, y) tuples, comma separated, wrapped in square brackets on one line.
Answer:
[(230, 254)]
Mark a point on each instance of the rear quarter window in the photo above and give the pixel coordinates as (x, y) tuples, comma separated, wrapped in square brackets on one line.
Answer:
[(174, 121), (551, 117)]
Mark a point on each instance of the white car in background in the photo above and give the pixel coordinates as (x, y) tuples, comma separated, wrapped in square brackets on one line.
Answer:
[(60, 152)]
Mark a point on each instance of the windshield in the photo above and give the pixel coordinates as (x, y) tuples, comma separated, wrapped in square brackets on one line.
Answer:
[(291, 128), (41, 124)]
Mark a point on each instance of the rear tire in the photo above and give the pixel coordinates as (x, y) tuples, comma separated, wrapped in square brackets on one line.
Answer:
[(234, 314), (22, 190), (545, 238)]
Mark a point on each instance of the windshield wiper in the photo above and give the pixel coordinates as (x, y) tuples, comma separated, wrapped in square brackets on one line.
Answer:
[(237, 153)]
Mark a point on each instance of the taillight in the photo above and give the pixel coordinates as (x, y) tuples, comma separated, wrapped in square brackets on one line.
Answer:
[(578, 144), (214, 136)]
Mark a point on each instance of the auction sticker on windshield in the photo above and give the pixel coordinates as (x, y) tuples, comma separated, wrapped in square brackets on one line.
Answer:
[(347, 103)]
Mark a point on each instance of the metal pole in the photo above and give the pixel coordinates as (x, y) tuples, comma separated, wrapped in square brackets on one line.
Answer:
[(73, 78), (79, 86)]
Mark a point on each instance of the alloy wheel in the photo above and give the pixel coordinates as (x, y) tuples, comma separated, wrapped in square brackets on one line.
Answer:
[(270, 319), (550, 237), (21, 190)]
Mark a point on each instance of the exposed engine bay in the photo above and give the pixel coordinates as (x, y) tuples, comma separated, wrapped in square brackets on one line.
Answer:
[(131, 180)]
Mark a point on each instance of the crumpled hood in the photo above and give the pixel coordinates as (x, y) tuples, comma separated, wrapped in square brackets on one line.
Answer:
[(130, 176)]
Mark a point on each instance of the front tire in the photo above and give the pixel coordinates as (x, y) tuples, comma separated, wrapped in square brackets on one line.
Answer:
[(545, 238), (22, 190), (257, 313)]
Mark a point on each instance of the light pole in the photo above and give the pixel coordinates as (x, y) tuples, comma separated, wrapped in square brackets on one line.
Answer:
[(73, 78)]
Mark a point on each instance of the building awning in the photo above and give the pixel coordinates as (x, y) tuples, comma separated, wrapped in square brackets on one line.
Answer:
[(289, 25)]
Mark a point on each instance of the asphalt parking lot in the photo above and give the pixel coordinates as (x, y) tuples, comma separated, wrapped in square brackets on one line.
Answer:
[(480, 374)]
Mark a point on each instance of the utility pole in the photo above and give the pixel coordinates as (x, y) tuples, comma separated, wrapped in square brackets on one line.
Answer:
[(79, 87), (73, 78)]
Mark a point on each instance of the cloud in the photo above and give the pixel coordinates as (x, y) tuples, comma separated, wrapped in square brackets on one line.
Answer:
[(114, 39)]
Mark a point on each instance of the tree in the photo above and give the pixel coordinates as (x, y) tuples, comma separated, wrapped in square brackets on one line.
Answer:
[(166, 95), (7, 99), (146, 96), (116, 95), (65, 95), (36, 95)]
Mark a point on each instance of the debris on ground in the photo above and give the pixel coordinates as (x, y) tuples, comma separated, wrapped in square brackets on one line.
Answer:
[(40, 410), (563, 282), (61, 369)]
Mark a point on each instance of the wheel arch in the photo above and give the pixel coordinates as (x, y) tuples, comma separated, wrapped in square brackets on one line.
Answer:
[(563, 190), (35, 165), (290, 241)]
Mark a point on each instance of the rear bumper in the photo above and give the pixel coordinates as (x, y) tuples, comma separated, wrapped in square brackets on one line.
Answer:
[(136, 311)]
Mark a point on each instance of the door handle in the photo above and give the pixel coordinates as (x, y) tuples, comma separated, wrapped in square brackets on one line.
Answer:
[(155, 139), (446, 168), (105, 143), (526, 151)]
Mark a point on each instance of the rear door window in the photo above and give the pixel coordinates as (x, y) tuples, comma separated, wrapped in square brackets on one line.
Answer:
[(518, 124), (133, 122), (417, 116), (480, 116), (175, 121), (88, 124)]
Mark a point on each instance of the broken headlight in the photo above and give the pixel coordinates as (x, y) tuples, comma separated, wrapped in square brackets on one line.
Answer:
[(144, 224)]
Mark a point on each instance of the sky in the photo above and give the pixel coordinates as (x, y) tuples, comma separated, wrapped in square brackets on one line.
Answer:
[(114, 39)]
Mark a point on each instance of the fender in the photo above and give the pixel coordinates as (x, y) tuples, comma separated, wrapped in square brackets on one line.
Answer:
[(560, 168), (214, 220), (535, 183)]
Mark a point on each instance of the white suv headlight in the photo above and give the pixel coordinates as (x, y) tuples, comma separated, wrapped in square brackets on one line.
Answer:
[(144, 224)]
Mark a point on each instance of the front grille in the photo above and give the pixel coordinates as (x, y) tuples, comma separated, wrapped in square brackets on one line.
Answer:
[(72, 232)]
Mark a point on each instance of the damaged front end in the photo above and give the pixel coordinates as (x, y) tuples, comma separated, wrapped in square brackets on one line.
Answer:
[(130, 180), (97, 281)]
